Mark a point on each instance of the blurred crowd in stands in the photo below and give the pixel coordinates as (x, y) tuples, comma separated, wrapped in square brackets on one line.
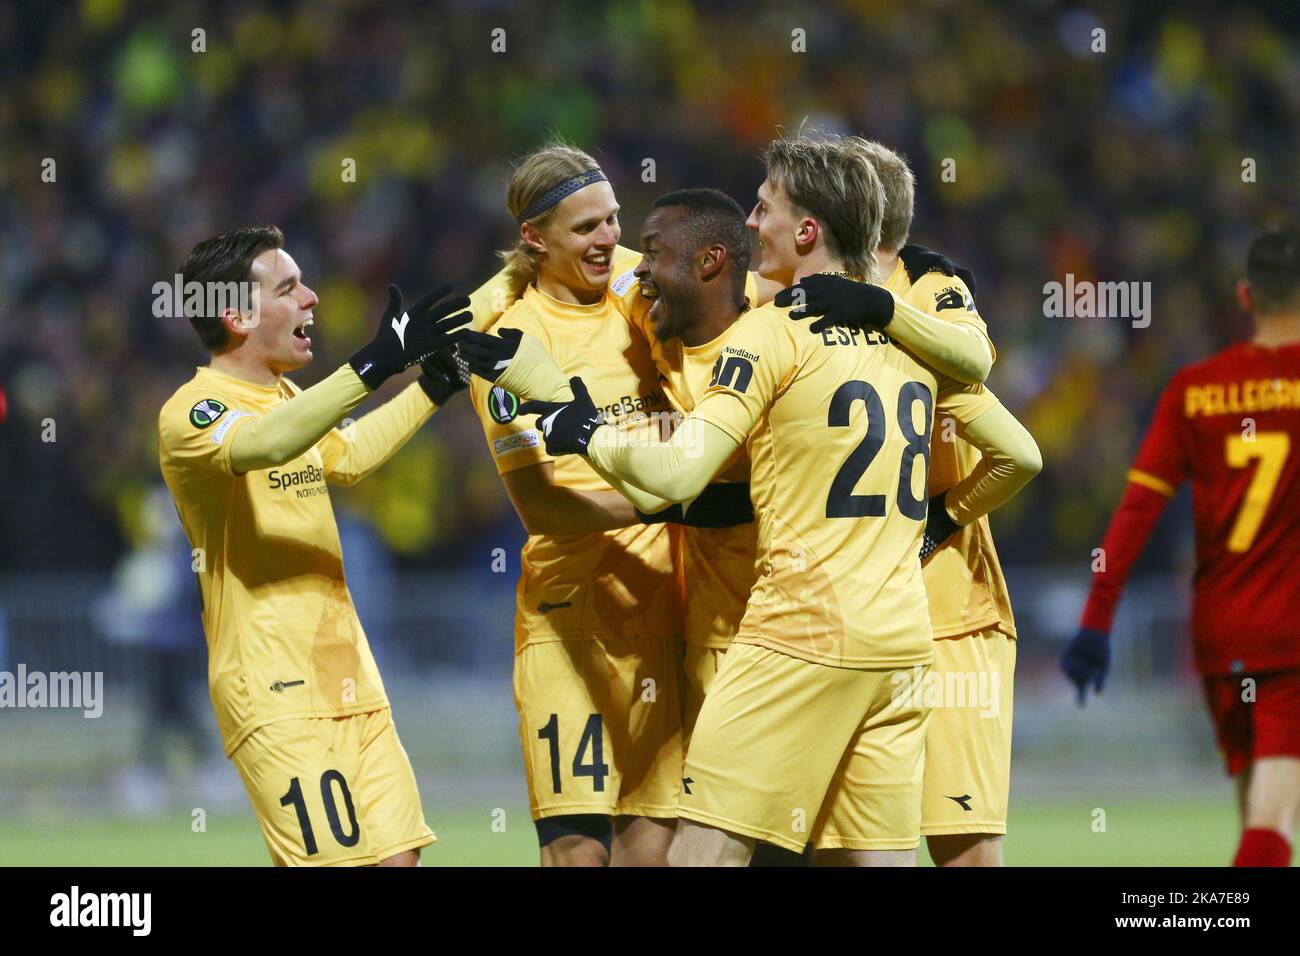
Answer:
[(1150, 152)]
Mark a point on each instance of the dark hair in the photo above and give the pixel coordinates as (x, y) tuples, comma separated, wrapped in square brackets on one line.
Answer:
[(714, 218), (225, 258), (1273, 269)]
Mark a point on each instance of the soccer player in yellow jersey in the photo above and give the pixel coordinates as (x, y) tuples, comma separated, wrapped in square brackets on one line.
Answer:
[(813, 725), (598, 618), (248, 456), (968, 743), (968, 746), (715, 564)]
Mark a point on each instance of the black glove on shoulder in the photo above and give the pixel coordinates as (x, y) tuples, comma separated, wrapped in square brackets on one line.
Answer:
[(918, 260), (840, 301)]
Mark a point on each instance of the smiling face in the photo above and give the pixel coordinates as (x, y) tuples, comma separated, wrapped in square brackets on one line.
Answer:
[(666, 273), (278, 333), (578, 239), (781, 228)]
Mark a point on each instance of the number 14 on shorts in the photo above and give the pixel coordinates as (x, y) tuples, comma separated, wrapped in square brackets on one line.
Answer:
[(588, 754)]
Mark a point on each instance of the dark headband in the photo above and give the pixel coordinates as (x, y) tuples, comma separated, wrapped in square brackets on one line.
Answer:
[(555, 194)]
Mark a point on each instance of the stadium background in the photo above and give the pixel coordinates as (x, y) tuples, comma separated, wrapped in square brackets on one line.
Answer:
[(1123, 165)]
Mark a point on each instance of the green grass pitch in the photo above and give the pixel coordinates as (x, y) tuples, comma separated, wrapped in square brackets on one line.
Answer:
[(1059, 831)]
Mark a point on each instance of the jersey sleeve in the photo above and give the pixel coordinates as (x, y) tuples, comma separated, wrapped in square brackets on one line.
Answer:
[(490, 301), (196, 437), (948, 298), (1162, 461), (353, 452), (758, 357), (513, 441), (1160, 467), (963, 402)]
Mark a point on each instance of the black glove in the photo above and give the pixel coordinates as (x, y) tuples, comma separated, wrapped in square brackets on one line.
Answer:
[(488, 355), (722, 504), (841, 301), (918, 260), (443, 374), (938, 527), (1086, 660), (406, 336), (567, 426)]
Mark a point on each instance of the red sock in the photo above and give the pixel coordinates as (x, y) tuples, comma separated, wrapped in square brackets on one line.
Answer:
[(1263, 848)]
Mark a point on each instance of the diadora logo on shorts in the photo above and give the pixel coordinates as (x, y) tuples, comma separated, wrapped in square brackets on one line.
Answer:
[(206, 412), (502, 405)]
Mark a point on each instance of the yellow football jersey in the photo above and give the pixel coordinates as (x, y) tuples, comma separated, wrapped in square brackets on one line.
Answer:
[(716, 565), (964, 578), (283, 637), (838, 429), (620, 582)]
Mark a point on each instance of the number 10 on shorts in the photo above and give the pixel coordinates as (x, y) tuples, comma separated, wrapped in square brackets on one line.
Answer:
[(588, 756)]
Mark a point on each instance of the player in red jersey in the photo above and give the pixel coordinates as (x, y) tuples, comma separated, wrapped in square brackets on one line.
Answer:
[(1231, 424)]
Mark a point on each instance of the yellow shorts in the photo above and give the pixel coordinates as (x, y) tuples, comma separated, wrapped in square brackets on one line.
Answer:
[(786, 751), (968, 744), (600, 722), (701, 667), (332, 791)]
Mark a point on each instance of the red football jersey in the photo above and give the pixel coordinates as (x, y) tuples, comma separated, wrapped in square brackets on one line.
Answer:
[(1231, 424)]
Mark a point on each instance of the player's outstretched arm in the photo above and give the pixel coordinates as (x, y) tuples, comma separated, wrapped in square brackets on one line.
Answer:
[(404, 337), (517, 362), (958, 350), (355, 451), (675, 471), (489, 301), (1161, 465)]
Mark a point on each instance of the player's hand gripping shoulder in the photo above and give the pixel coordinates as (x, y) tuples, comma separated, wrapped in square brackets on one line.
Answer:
[(1086, 661), (839, 301), (918, 260), (407, 336)]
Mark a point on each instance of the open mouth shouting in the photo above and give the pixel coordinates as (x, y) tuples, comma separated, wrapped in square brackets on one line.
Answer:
[(300, 332)]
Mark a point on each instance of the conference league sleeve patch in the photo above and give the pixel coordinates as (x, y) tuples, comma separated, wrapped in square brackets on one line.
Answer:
[(206, 412)]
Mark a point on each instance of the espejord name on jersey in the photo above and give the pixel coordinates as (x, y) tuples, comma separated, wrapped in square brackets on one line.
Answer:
[(310, 476)]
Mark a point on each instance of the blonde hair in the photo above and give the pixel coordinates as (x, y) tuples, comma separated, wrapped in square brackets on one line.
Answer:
[(832, 179), (533, 176), (899, 183)]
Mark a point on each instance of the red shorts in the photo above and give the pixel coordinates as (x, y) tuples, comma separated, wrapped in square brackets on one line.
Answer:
[(1253, 720)]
